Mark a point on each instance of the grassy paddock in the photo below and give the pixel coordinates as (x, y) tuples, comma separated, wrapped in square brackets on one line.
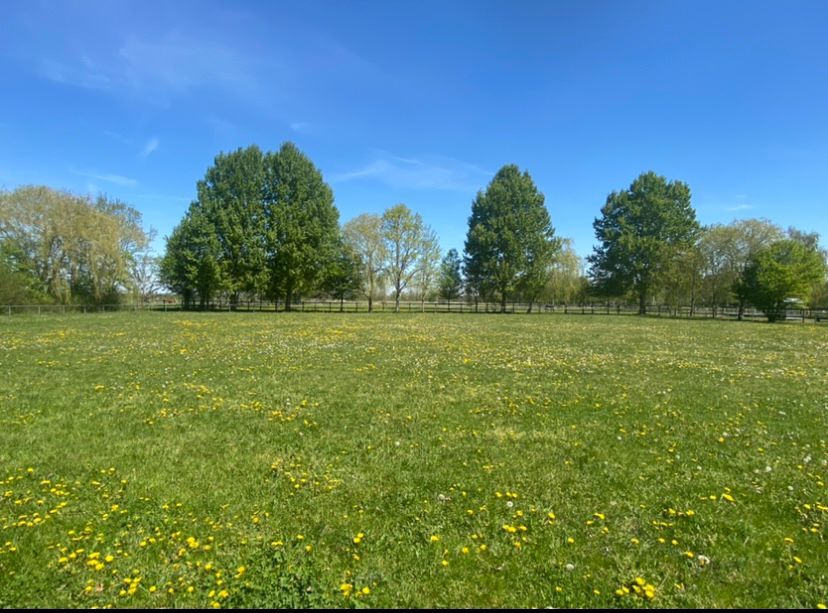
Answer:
[(324, 460)]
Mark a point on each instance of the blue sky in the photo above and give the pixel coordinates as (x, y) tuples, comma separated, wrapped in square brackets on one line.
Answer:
[(421, 102)]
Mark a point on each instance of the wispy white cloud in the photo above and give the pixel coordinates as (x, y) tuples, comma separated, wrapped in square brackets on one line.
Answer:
[(281, 69), (109, 178), (300, 126), (176, 62), (155, 69), (739, 207), (149, 147), (222, 127), (168, 198), (119, 137), (426, 172)]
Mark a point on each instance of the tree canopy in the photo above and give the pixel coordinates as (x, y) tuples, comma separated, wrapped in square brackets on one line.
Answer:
[(263, 223), (364, 235), (190, 266), (786, 270), (301, 223), (408, 247), (510, 243), (451, 279), (640, 231), (343, 276), (565, 282), (231, 199), (69, 247)]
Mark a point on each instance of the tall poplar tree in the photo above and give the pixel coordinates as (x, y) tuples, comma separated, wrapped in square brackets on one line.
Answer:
[(301, 223), (510, 243), (230, 196)]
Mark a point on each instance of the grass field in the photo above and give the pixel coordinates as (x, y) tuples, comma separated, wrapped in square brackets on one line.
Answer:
[(225, 460)]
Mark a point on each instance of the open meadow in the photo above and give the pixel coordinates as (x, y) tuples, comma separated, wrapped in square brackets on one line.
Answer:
[(225, 460)]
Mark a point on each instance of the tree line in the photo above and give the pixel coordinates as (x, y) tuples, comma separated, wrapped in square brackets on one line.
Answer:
[(61, 248), (650, 244), (264, 226)]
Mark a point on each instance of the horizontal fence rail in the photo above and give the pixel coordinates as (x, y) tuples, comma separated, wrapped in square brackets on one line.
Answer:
[(386, 306)]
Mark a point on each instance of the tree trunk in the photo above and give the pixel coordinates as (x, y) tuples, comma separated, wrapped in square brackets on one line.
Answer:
[(503, 302), (642, 303), (741, 314), (288, 296), (693, 297), (370, 303), (342, 303), (397, 301)]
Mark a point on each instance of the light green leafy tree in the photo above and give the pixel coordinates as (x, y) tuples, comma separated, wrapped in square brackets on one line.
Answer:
[(364, 235), (565, 282), (73, 248), (787, 269), (429, 268), (751, 236), (406, 240)]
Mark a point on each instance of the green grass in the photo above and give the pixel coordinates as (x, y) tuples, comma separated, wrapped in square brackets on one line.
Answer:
[(446, 441)]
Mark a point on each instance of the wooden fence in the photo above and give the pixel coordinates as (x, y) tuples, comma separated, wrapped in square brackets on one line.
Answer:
[(386, 306)]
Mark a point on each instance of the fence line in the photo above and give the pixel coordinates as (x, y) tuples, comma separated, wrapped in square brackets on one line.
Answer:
[(380, 306)]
